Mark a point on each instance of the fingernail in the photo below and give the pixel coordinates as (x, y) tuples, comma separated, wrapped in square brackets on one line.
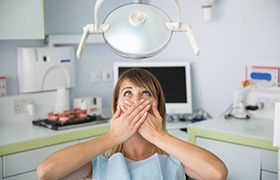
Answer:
[(122, 107), (127, 102)]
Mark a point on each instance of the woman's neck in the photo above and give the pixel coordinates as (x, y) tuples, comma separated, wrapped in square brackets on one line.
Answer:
[(137, 148)]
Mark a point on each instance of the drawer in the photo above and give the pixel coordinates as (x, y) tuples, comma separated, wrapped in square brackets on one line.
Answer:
[(25, 176), (28, 160), (269, 160), (269, 175)]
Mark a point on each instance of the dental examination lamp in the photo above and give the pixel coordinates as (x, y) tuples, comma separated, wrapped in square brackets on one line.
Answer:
[(207, 9), (136, 30)]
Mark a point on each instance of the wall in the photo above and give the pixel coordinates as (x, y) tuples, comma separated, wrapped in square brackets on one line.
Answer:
[(241, 33)]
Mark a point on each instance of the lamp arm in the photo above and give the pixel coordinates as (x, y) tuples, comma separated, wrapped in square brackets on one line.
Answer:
[(178, 11), (82, 41), (192, 39), (96, 8), (90, 29), (185, 27)]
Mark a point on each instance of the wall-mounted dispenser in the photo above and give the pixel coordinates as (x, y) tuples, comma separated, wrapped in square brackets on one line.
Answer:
[(45, 68)]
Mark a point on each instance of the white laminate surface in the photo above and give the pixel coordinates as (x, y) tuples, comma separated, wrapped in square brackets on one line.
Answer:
[(18, 132), (253, 128)]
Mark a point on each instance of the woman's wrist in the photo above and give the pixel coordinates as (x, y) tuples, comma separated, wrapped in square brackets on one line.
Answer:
[(113, 139), (158, 137)]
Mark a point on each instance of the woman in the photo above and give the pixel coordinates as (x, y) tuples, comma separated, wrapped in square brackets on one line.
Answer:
[(138, 145)]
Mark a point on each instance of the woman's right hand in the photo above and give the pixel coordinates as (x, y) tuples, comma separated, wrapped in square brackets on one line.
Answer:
[(126, 123)]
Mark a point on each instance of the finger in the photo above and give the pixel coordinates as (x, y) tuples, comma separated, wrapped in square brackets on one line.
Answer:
[(141, 120), (156, 113), (137, 117), (126, 104), (129, 103), (142, 107), (138, 104), (123, 107), (117, 113), (141, 114)]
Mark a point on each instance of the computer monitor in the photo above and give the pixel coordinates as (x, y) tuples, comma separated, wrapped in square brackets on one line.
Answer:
[(175, 79)]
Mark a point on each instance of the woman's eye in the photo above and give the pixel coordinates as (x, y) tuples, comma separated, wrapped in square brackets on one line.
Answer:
[(146, 93), (127, 93)]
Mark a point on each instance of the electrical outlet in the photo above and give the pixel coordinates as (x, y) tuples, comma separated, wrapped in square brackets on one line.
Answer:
[(268, 103), (19, 105), (107, 75), (95, 76)]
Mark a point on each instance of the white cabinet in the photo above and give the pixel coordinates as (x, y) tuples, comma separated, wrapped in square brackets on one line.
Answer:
[(23, 165), (25, 176), (269, 160), (243, 162), (269, 165), (21, 19), (1, 168), (269, 175)]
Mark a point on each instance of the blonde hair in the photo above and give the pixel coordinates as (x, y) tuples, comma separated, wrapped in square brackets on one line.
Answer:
[(144, 79)]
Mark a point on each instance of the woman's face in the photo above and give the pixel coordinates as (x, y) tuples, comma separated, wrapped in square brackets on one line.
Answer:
[(132, 93)]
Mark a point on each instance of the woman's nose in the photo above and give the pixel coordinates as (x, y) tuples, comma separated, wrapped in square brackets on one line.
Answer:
[(137, 97)]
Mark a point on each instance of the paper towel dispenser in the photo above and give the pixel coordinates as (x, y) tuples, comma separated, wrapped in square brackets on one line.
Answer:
[(45, 68)]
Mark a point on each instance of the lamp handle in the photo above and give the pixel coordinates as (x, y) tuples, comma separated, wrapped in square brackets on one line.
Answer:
[(192, 39), (82, 41)]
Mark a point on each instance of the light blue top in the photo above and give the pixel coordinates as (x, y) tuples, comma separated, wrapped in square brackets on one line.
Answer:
[(156, 167)]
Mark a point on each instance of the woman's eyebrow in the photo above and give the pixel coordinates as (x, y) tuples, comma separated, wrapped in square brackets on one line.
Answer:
[(129, 87)]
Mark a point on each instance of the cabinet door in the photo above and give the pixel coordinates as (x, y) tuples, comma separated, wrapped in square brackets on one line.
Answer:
[(269, 160), (21, 19), (1, 168), (266, 175), (28, 161), (243, 162), (25, 176)]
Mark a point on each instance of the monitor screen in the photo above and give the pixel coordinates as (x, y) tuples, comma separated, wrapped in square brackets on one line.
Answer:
[(174, 78)]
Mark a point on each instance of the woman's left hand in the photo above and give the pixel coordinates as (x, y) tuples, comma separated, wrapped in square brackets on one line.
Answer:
[(152, 125)]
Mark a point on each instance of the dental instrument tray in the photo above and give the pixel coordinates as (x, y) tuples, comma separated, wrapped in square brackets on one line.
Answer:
[(55, 125)]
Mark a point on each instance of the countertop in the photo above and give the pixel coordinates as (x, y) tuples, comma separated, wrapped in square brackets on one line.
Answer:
[(23, 135), (255, 132)]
